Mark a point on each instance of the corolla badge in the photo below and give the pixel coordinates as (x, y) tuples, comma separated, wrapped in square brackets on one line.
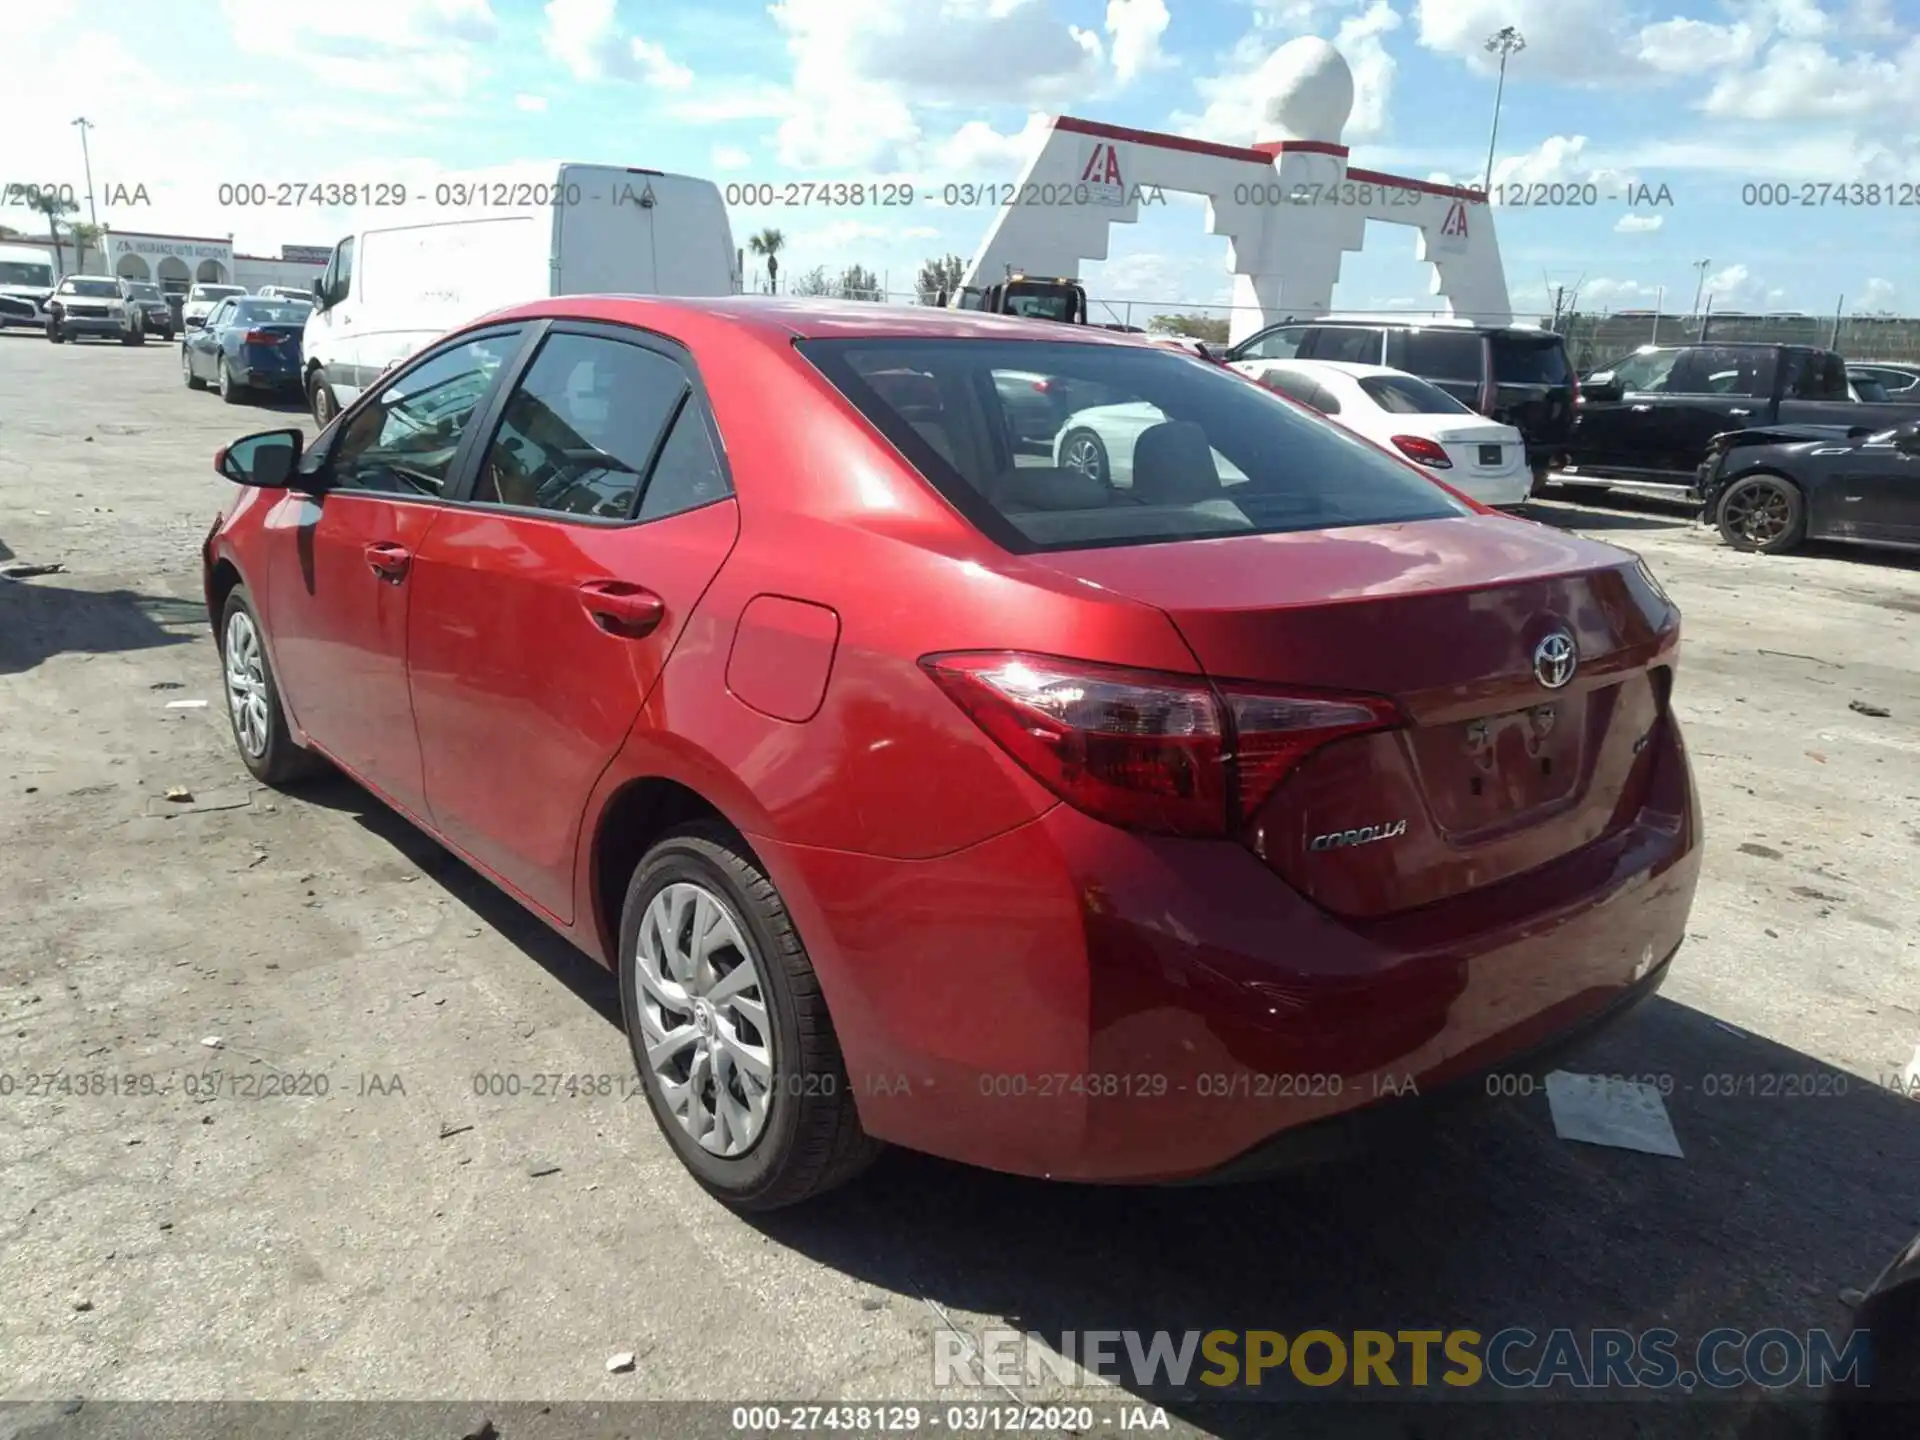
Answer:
[(1555, 660), (1364, 835)]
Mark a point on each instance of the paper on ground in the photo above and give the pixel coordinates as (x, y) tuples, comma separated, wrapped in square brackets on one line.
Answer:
[(1597, 1110)]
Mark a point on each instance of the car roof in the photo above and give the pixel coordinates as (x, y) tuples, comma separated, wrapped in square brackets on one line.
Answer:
[(786, 318)]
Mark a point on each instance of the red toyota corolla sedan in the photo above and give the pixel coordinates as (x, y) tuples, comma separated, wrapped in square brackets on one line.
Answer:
[(1150, 825)]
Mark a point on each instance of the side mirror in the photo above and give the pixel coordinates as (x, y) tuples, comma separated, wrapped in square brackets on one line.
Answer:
[(1603, 387), (265, 461)]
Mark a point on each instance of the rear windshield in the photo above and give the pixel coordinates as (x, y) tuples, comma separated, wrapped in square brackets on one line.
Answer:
[(1409, 395), (271, 312), (217, 292), (1524, 360), (1117, 445)]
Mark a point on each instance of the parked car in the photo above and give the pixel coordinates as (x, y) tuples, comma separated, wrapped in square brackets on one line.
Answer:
[(26, 283), (1648, 418), (1515, 375), (202, 299), (897, 776), (150, 305), (96, 305), (302, 294), (1899, 378), (1405, 414), (1882, 1402), (1772, 487), (247, 345), (610, 230)]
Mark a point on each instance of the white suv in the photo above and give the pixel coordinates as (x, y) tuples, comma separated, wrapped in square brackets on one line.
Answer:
[(99, 305), (201, 300)]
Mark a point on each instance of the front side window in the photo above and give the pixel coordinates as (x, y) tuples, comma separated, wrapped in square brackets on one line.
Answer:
[(1353, 347), (1184, 450), (1281, 344), (402, 442), (1727, 370), (1647, 372), (342, 267)]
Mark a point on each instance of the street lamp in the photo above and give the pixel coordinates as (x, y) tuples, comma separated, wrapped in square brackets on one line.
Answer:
[(87, 160), (1698, 290), (1503, 42)]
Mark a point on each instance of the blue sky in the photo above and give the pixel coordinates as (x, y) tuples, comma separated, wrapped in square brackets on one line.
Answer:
[(1704, 97)]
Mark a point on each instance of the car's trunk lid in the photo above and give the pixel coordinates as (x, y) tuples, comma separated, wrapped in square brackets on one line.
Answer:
[(1494, 772)]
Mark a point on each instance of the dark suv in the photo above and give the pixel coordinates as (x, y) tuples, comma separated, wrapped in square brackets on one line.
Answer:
[(1517, 376)]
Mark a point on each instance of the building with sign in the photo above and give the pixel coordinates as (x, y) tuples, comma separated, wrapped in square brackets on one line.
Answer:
[(1290, 207), (178, 262), (297, 265)]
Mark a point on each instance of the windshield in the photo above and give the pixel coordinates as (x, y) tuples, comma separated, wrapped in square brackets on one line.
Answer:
[(216, 292), (1409, 395), (1136, 445), (1052, 303), (95, 289), (21, 272), (271, 312), (146, 292)]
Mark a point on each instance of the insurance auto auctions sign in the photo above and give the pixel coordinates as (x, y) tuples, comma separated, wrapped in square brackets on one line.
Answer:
[(162, 245), (1101, 174)]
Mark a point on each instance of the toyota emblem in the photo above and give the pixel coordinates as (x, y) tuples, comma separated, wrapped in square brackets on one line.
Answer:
[(1554, 660)]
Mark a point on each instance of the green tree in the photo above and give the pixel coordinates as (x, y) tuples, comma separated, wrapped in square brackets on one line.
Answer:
[(940, 275), (50, 204), (767, 245), (85, 237), (1194, 327), (813, 282), (858, 283)]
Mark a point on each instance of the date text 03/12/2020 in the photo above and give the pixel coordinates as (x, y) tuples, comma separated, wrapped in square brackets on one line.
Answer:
[(957, 195)]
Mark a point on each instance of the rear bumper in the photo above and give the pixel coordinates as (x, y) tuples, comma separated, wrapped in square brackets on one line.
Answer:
[(268, 374), (1070, 1001)]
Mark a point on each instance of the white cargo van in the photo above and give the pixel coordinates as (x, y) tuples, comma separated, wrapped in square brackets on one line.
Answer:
[(474, 243)]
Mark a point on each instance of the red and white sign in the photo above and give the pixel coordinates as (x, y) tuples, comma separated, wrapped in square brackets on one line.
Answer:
[(1454, 231), (1102, 176)]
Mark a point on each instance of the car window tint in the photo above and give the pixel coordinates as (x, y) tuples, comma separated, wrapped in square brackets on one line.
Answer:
[(1523, 360), (1409, 395), (580, 428), (1354, 347), (1646, 374), (1176, 450), (1725, 370), (1441, 354), (687, 475), (1293, 385), (1275, 344), (402, 442)]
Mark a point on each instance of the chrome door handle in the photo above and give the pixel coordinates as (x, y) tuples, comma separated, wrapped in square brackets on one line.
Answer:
[(1739, 412), (1641, 409)]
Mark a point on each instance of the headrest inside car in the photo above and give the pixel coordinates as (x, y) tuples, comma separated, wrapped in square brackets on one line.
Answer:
[(1173, 465), (1037, 487)]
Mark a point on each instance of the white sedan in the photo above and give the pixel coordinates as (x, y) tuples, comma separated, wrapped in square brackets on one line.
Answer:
[(1098, 442), (1411, 417)]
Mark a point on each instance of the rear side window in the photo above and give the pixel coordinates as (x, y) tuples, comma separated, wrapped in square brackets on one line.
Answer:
[(1408, 395), (1181, 449), (1524, 360), (1354, 347), (1813, 376), (1442, 354)]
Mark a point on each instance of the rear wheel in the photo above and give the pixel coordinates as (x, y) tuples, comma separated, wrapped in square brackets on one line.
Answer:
[(1766, 513), (260, 728), (320, 396), (1086, 452), (729, 1030), (231, 390)]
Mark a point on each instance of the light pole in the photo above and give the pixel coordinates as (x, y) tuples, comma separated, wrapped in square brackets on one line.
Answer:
[(1503, 42), (1698, 290), (87, 160)]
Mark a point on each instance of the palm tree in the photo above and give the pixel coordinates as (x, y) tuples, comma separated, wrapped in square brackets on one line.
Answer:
[(50, 204), (768, 244), (84, 236)]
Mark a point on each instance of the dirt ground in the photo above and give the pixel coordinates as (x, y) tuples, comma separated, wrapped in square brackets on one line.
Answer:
[(402, 1236)]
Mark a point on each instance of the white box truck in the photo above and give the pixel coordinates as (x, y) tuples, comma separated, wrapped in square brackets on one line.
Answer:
[(473, 243), (27, 276)]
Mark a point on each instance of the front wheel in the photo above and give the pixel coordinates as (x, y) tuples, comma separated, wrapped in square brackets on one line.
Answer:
[(260, 729), (1086, 452), (1763, 513), (134, 337), (320, 395), (55, 334), (730, 1032), (194, 382)]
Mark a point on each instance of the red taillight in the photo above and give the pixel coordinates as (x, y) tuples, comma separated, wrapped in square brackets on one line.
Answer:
[(1427, 452), (1043, 385), (1142, 749), (263, 337)]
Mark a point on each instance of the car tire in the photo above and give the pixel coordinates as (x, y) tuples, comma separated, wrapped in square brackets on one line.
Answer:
[(808, 1138), (1763, 513), (1086, 452), (56, 335), (194, 382), (231, 390), (137, 337), (320, 399), (260, 730)]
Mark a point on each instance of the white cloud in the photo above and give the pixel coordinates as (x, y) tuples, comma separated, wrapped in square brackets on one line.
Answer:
[(585, 36), (1358, 39), (1638, 224), (1576, 42), (1878, 294), (1559, 160), (392, 47), (533, 104), (1735, 287), (1800, 80), (730, 157), (1136, 27), (978, 151), (1695, 47)]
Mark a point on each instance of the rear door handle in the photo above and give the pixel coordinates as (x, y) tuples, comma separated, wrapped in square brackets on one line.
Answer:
[(389, 561), (629, 611), (1739, 412), (1641, 409)]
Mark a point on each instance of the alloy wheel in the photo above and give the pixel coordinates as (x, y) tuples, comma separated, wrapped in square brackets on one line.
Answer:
[(703, 1018), (1084, 454), (1758, 514), (247, 684)]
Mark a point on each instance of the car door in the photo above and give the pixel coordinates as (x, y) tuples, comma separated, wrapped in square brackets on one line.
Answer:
[(203, 344), (546, 602), (1348, 344), (1282, 342), (1714, 388), (328, 339), (340, 576), (1879, 488), (1621, 433)]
